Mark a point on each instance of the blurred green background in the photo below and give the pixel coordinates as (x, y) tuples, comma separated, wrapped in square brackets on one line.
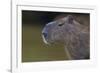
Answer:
[(33, 47)]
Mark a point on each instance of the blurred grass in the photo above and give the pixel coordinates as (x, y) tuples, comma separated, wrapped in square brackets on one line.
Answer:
[(34, 49)]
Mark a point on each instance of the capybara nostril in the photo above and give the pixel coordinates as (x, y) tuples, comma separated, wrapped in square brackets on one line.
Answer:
[(45, 35)]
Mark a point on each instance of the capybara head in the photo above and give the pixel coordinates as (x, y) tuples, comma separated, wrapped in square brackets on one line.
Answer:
[(60, 30)]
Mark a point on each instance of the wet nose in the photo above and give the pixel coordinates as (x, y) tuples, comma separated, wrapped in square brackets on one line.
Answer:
[(44, 34)]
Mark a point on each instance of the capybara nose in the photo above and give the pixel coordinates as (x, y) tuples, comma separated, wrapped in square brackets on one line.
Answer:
[(44, 34)]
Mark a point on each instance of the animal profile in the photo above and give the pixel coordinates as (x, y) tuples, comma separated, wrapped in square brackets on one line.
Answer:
[(69, 32)]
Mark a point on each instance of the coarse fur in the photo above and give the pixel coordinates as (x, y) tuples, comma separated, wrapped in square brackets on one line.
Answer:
[(70, 33)]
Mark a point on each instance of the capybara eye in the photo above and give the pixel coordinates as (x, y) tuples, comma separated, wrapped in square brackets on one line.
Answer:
[(61, 24)]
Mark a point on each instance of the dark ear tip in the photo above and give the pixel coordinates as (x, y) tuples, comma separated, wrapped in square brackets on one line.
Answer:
[(70, 18)]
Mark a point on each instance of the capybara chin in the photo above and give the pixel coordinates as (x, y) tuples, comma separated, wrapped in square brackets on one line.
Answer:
[(70, 33)]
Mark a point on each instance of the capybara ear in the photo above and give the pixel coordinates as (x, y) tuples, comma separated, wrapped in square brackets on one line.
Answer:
[(70, 19)]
